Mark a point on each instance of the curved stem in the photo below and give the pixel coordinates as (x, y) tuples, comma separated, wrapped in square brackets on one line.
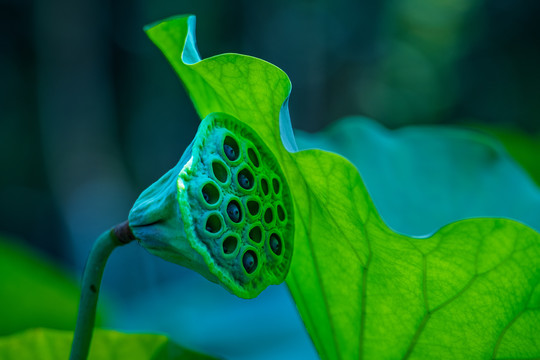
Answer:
[(91, 282)]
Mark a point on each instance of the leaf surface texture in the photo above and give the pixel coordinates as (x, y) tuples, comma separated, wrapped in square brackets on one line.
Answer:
[(469, 291)]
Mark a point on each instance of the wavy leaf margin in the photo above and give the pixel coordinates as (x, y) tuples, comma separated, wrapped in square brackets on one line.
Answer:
[(471, 290)]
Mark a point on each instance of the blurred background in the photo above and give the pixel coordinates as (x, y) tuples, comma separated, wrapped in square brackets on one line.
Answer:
[(91, 113)]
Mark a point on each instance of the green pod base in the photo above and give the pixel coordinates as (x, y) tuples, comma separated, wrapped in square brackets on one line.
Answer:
[(225, 210)]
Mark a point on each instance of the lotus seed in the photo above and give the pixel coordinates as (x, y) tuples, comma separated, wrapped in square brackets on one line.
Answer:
[(250, 261), (244, 181), (275, 244), (210, 193), (234, 212), (229, 151)]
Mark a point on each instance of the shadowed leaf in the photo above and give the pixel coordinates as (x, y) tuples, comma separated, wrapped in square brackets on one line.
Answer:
[(522, 146), (412, 170)]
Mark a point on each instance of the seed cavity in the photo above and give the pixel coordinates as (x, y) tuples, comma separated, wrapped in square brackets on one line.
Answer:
[(275, 244), (213, 224), (253, 207), (210, 193), (255, 234), (229, 244), (253, 157), (280, 213), (268, 215), (249, 260), (220, 172), (234, 212), (264, 186), (245, 179), (230, 148), (276, 185)]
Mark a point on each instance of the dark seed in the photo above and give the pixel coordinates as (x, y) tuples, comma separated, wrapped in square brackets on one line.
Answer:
[(210, 193), (275, 244), (250, 261), (234, 212), (229, 151), (244, 181)]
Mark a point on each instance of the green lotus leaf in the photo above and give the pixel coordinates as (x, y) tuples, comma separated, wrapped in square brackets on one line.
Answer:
[(469, 291), (48, 344), (35, 293), (463, 173), (523, 147)]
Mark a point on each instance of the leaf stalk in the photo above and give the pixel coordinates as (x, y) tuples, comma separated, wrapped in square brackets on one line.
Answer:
[(91, 282)]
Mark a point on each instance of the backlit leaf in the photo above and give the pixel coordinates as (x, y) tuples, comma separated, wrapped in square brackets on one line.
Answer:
[(469, 291), (35, 293), (48, 344)]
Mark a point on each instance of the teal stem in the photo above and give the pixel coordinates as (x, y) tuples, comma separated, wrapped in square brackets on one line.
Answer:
[(91, 282)]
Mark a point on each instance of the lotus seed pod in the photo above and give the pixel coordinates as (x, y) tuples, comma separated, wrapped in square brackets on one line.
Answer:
[(224, 211)]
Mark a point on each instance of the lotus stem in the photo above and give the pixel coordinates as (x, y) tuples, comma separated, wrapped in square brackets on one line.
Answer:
[(101, 250)]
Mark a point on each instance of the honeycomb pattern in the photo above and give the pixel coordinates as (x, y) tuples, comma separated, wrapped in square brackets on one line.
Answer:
[(242, 215)]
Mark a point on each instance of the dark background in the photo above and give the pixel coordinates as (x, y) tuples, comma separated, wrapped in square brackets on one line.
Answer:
[(91, 113)]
